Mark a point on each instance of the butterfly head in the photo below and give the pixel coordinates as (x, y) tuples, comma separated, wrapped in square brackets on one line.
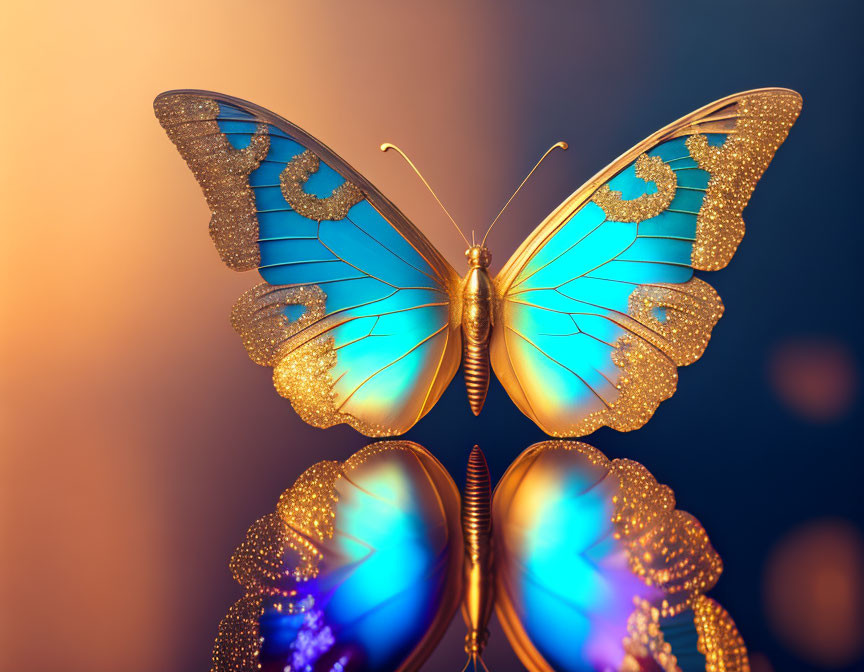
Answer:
[(478, 256)]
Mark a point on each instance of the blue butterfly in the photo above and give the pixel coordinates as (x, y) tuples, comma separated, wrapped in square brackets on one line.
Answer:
[(587, 562), (365, 323)]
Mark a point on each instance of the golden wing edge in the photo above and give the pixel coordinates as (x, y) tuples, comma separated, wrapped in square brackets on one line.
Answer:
[(547, 228), (646, 520), (305, 510)]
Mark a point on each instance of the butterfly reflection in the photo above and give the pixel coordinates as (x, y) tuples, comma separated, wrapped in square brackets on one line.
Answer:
[(586, 560)]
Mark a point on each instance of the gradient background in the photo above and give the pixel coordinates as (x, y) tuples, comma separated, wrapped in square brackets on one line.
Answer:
[(139, 441)]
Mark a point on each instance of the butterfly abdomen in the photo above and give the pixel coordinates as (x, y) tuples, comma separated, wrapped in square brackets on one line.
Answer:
[(476, 363), (477, 295), (477, 532)]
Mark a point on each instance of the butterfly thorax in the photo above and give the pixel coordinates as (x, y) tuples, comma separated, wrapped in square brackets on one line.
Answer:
[(477, 297)]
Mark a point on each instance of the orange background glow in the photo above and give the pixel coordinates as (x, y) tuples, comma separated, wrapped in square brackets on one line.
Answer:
[(139, 442), (122, 380)]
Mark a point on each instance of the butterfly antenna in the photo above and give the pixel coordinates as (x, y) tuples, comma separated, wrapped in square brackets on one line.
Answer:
[(562, 145), (387, 145)]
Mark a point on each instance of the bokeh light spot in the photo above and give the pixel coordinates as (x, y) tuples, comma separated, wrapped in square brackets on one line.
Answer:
[(817, 378), (759, 663), (814, 592)]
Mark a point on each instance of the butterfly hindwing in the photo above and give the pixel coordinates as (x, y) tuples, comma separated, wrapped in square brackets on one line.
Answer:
[(358, 569), (596, 569), (354, 312), (600, 306)]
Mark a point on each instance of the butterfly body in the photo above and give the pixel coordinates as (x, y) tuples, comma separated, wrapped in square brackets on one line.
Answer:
[(478, 296)]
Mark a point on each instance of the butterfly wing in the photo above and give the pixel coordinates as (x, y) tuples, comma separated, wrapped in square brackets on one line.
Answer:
[(359, 568), (599, 306), (597, 570), (355, 311)]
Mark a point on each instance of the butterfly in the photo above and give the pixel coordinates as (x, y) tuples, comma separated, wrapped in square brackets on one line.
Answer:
[(586, 560), (364, 322)]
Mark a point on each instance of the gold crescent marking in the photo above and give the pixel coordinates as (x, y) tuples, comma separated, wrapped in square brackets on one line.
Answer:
[(335, 206), (648, 168)]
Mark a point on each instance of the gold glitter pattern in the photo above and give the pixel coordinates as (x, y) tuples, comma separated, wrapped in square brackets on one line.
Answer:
[(302, 369), (677, 557), (650, 351), (259, 317), (647, 378), (719, 639), (590, 453), (303, 377), (691, 311), (308, 505), (281, 545), (641, 502), (764, 120), (335, 206), (648, 168), (257, 563), (667, 548), (303, 348), (303, 517), (359, 458), (221, 170), (645, 641), (238, 642)]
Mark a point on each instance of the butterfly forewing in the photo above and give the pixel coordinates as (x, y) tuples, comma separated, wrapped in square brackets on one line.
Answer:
[(355, 311), (600, 306)]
